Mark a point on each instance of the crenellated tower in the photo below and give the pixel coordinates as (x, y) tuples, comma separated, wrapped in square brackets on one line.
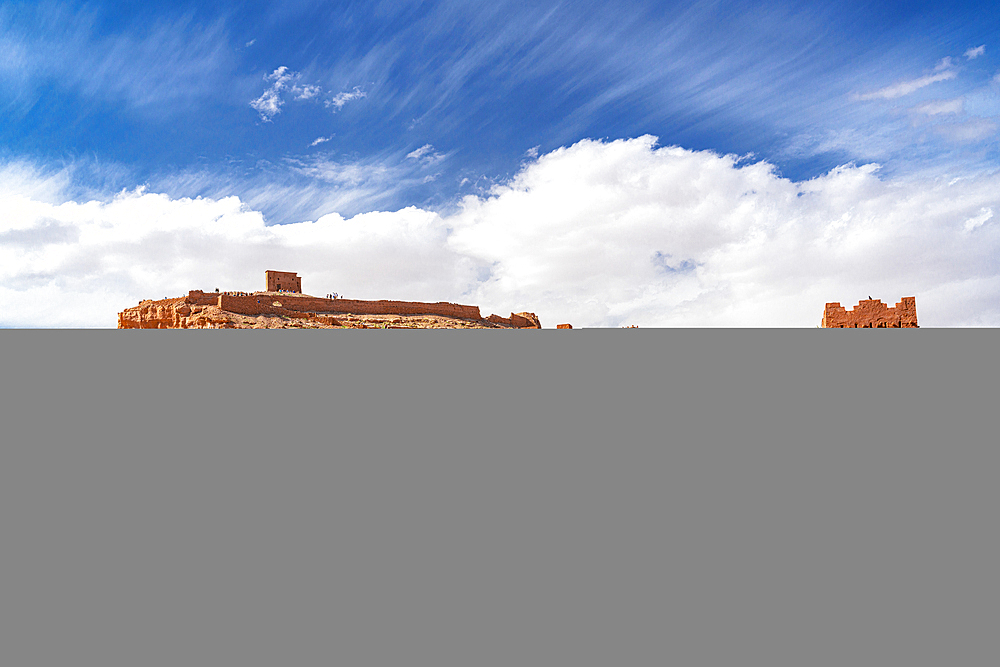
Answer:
[(872, 314)]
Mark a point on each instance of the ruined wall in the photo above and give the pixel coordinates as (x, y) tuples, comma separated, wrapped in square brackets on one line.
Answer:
[(872, 314), (525, 320), (263, 304), (255, 304), (517, 320), (199, 298)]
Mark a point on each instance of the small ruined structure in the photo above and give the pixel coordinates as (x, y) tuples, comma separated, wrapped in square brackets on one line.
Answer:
[(872, 314), (283, 281)]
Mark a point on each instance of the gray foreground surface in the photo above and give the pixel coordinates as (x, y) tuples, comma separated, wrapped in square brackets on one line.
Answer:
[(499, 498)]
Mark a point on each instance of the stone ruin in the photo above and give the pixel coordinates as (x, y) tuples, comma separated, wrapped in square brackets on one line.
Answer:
[(872, 314)]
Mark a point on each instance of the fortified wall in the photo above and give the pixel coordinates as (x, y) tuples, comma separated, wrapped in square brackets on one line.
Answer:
[(284, 298), (277, 304), (872, 314), (173, 313)]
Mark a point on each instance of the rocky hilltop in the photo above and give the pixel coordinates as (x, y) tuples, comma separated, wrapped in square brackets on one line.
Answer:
[(286, 310)]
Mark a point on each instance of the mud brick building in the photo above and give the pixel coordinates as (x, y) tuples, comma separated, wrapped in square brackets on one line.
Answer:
[(283, 281), (872, 314)]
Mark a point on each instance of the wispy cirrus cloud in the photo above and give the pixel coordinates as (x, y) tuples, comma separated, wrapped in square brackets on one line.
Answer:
[(969, 131), (308, 185), (454, 66), (941, 107), (925, 135), (158, 68), (907, 87), (487, 80), (587, 63)]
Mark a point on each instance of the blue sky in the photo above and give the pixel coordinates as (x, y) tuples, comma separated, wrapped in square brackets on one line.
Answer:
[(302, 111)]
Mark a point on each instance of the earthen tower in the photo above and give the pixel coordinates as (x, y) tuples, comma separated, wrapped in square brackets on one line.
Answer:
[(283, 281), (872, 314)]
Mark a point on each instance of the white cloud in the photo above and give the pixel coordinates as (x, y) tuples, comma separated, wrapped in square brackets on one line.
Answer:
[(979, 220), (597, 234), (425, 154), (420, 152), (941, 107), (340, 99), (306, 92), (77, 264), (974, 53), (320, 140), (251, 43), (906, 87), (623, 232), (269, 104), (943, 64), (280, 77)]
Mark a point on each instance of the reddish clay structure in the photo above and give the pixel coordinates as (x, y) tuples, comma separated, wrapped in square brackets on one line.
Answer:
[(564, 326), (872, 314), (516, 320), (192, 311), (183, 312), (283, 281), (262, 304)]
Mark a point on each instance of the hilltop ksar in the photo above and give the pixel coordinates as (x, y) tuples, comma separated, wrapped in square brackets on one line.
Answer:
[(283, 306)]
